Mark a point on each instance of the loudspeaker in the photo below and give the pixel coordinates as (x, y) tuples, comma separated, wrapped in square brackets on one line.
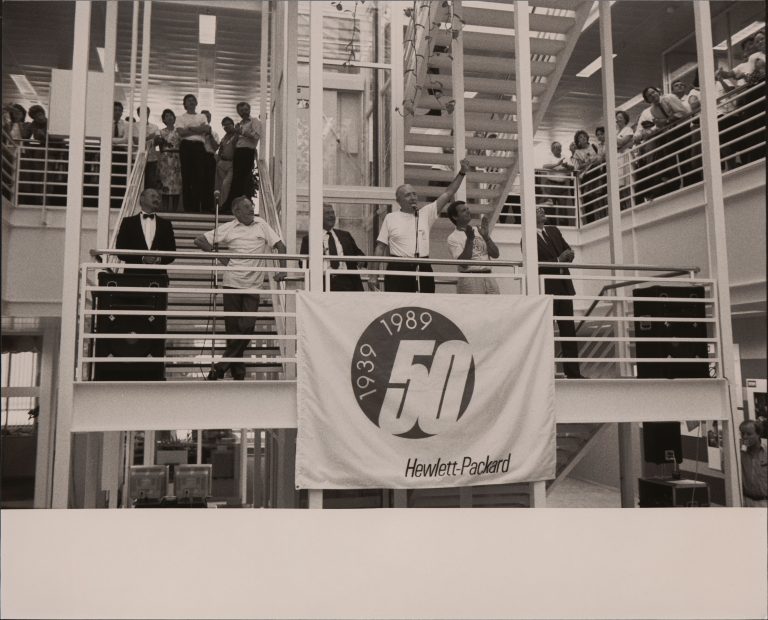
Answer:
[(149, 323), (670, 331), (659, 438)]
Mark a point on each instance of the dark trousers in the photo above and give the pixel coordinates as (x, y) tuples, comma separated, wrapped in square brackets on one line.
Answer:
[(242, 174), (564, 307), (209, 183), (193, 174), (409, 284), (346, 282), (240, 325), (151, 178)]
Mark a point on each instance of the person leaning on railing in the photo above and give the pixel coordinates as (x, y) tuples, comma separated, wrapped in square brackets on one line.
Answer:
[(624, 139), (691, 98), (406, 233), (558, 184), (586, 165), (754, 465), (469, 242)]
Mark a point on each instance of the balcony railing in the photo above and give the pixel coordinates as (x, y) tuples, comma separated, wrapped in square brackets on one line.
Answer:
[(666, 162), (625, 327)]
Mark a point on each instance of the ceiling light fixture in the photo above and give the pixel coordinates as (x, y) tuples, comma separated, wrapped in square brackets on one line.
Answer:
[(207, 29), (592, 67)]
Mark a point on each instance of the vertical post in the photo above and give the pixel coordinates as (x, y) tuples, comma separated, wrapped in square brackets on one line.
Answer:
[(457, 86), (105, 147), (257, 482), (110, 465), (264, 80), (626, 469), (81, 44), (718, 251), (315, 498), (525, 147), (149, 447), (315, 146), (129, 446), (289, 144), (538, 494), (396, 79), (46, 418), (243, 466), (146, 29), (134, 49)]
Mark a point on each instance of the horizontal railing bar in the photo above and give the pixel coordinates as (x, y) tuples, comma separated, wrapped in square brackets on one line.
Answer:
[(201, 336), (612, 299), (182, 313), (631, 339), (636, 319), (198, 254), (618, 268), (181, 290), (203, 359), (637, 360)]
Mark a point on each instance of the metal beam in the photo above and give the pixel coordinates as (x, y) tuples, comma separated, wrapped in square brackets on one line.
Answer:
[(457, 85), (105, 150), (316, 162), (718, 251), (81, 44)]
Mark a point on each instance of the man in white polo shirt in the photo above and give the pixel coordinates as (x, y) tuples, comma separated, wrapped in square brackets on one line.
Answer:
[(245, 234), (406, 233)]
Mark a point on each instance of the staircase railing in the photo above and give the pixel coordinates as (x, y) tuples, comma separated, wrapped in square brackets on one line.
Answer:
[(130, 203), (10, 167)]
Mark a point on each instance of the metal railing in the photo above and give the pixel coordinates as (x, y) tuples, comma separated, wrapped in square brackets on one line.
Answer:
[(665, 162), (146, 324), (10, 166)]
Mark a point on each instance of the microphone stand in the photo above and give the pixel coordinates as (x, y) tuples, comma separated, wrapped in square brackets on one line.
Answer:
[(215, 276)]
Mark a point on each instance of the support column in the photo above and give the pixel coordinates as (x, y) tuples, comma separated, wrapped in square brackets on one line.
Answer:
[(81, 44), (315, 145), (146, 29), (105, 150), (46, 419), (243, 466), (626, 466), (289, 123), (111, 460), (131, 101), (718, 251), (525, 147), (264, 80), (396, 78), (457, 84)]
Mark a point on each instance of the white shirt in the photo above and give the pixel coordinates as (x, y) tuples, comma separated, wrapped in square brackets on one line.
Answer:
[(151, 132), (188, 120), (399, 231), (258, 238), (625, 131), (251, 133), (122, 133), (456, 242), (337, 243), (149, 226), (557, 173)]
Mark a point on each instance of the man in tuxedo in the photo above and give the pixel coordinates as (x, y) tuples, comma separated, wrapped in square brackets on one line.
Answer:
[(338, 242), (147, 231), (552, 248)]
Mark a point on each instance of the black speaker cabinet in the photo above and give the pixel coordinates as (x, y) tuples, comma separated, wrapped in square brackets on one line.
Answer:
[(661, 438), (148, 323), (670, 331), (667, 493)]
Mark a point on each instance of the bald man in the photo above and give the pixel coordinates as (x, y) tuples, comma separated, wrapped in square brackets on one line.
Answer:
[(405, 233)]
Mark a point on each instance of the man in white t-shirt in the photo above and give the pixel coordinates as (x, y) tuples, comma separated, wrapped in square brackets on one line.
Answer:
[(469, 242), (406, 233), (246, 234)]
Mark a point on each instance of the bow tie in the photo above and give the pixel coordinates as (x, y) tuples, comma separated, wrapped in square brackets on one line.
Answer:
[(150, 216)]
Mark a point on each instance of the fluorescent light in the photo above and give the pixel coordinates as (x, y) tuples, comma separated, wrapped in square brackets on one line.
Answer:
[(592, 67), (102, 58), (631, 103), (22, 83), (740, 36), (207, 29)]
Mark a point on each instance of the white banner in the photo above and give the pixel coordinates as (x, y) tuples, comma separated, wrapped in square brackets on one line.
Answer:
[(398, 390)]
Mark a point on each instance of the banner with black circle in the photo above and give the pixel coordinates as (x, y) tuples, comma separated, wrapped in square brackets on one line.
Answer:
[(399, 390)]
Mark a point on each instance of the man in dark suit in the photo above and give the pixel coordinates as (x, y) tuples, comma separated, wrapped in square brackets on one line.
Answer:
[(338, 242), (147, 231), (552, 248)]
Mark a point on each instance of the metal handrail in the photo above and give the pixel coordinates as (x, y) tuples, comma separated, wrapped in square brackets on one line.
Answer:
[(132, 192)]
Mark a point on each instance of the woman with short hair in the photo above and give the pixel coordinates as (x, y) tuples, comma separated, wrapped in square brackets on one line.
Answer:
[(168, 162), (192, 129)]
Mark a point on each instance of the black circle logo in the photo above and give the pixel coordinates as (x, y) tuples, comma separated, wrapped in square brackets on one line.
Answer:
[(413, 372)]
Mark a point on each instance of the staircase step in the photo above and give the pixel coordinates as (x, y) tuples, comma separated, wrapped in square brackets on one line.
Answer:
[(473, 105), (495, 18), (501, 44), (472, 122), (446, 159), (487, 64), (446, 141), (433, 191), (422, 173)]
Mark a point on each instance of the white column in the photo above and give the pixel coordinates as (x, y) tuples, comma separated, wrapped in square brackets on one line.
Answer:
[(525, 146), (396, 78), (627, 474), (264, 81), (111, 453), (289, 149), (46, 420), (145, 51), (718, 251), (457, 85), (134, 50), (243, 466), (315, 145), (81, 44), (105, 151)]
